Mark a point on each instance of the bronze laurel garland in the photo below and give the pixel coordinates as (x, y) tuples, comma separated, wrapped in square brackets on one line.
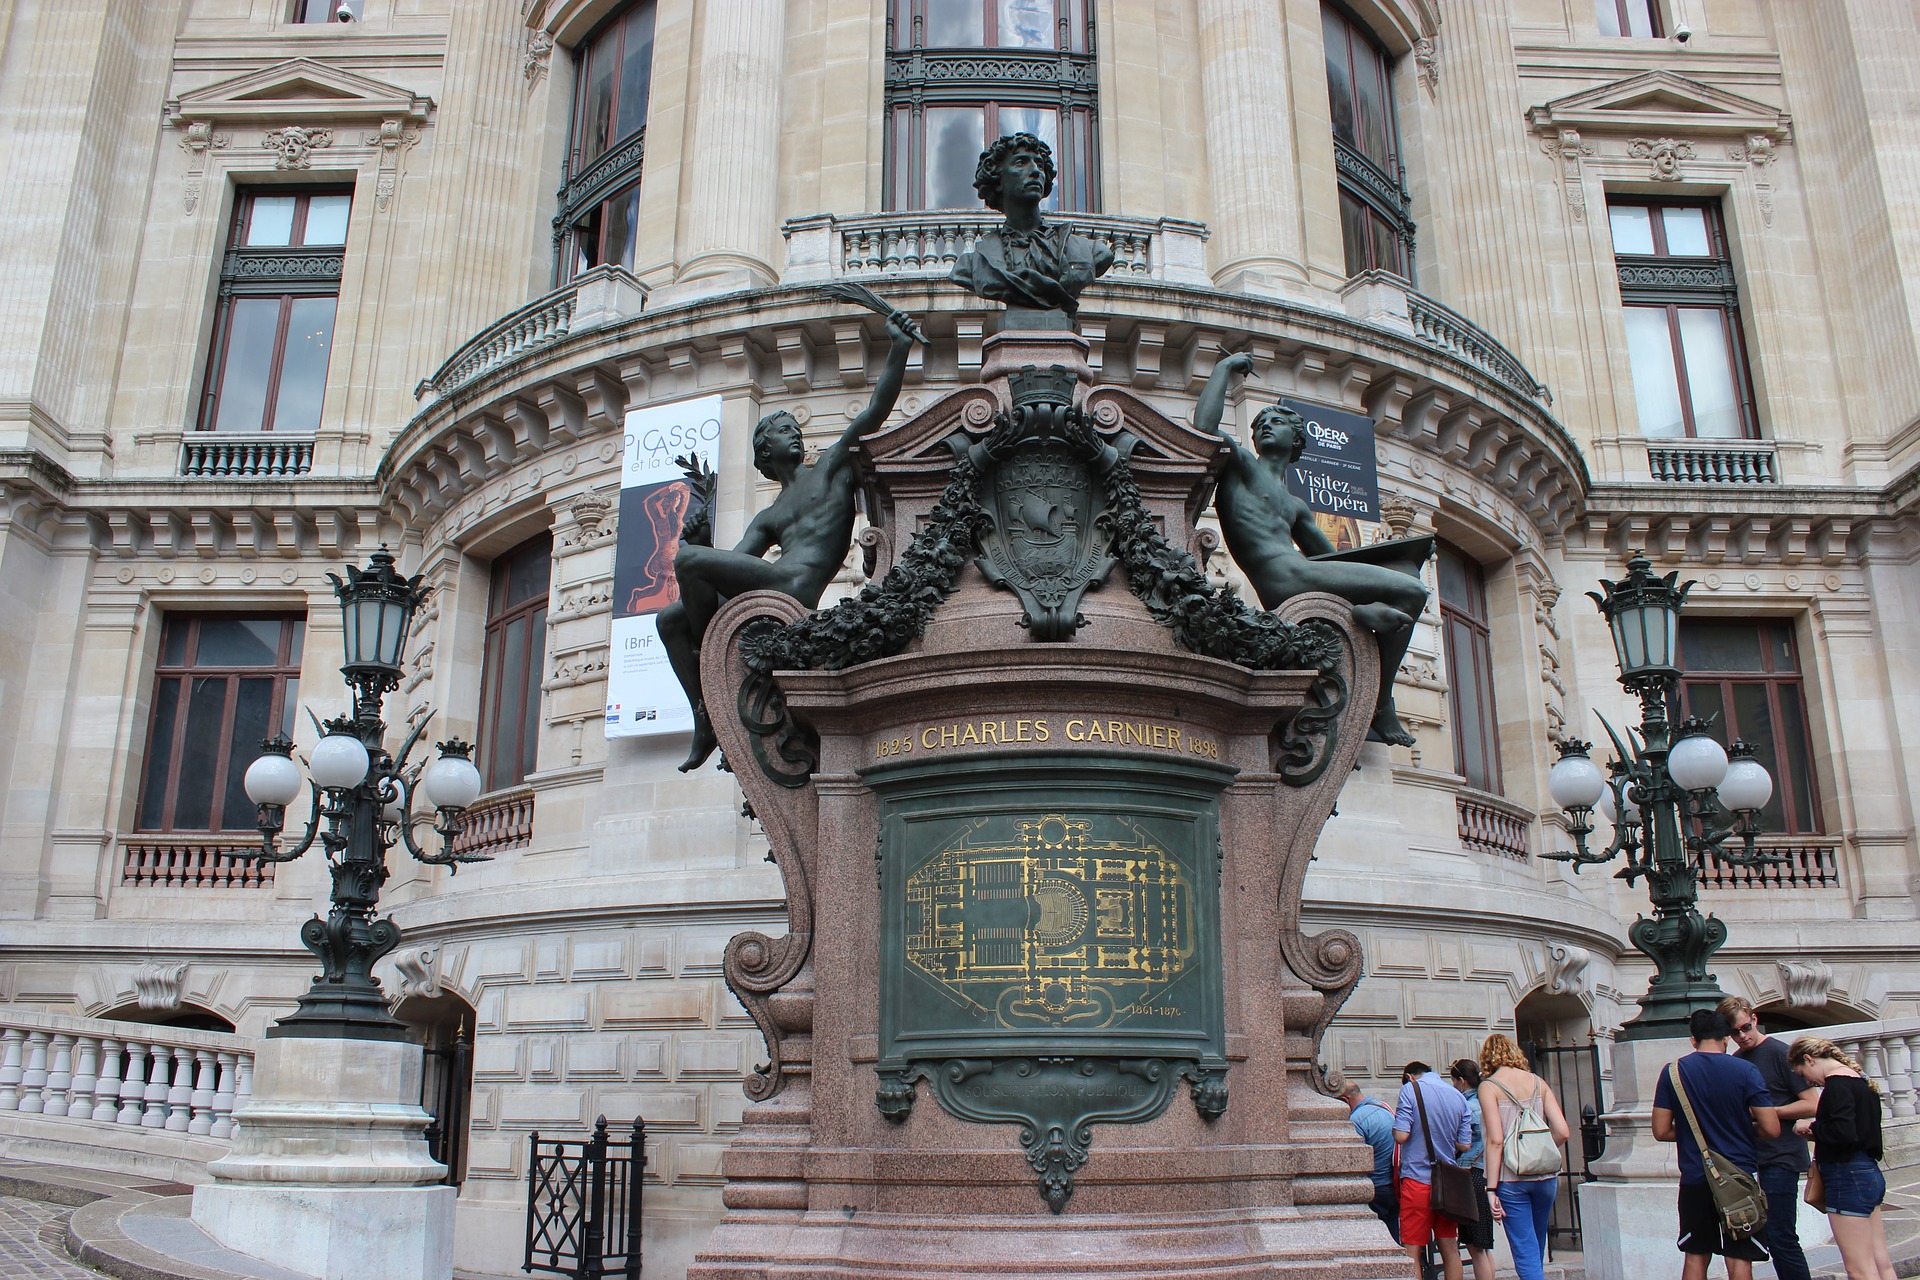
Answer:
[(885, 617)]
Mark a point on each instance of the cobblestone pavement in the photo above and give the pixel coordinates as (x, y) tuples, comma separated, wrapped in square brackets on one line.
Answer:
[(30, 1247)]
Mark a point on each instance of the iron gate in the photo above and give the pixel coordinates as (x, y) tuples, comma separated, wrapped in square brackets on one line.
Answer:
[(445, 1089), (583, 1204), (1573, 1072)]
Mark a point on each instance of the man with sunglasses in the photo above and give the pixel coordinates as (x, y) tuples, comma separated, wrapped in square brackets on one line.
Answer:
[(1782, 1159)]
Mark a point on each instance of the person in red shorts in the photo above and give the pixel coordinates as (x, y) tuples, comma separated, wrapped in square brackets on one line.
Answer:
[(1446, 1119)]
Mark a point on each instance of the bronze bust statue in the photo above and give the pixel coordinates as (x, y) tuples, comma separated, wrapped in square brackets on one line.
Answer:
[(1027, 263)]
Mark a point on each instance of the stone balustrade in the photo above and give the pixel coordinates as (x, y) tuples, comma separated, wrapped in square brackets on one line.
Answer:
[(928, 243), (1713, 462), (1889, 1055), (590, 299), (1488, 824), (90, 1071), (190, 862), (495, 823), (1809, 864), (1443, 327), (233, 454)]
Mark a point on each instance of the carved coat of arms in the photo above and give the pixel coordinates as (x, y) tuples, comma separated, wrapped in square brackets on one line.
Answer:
[(1047, 534)]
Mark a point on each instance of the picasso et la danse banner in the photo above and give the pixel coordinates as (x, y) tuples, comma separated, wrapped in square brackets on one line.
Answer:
[(643, 698)]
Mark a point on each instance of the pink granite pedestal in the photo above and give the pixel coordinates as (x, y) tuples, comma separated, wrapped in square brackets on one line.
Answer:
[(820, 1182)]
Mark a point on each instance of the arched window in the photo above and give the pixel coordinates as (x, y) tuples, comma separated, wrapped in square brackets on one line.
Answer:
[(963, 72), (516, 658), (600, 199), (1463, 617), (1376, 222)]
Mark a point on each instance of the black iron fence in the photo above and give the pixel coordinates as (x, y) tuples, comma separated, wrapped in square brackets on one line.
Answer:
[(583, 1203), (1574, 1073), (445, 1091)]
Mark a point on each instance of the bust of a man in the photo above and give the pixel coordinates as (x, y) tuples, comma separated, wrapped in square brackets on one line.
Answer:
[(1027, 263)]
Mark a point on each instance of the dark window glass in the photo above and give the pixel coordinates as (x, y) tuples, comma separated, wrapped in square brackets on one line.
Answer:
[(948, 101), (1745, 677), (1375, 210), (516, 651), (1627, 17), (273, 333), (1463, 617), (600, 202), (1682, 316), (238, 679)]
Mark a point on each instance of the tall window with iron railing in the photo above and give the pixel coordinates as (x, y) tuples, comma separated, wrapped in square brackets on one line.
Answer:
[(273, 330), (1469, 642), (1745, 676), (600, 194), (1681, 305), (961, 73), (1376, 213), (223, 683), (515, 661)]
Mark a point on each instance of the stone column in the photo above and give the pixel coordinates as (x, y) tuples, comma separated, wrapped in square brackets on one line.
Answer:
[(731, 228), (1252, 163)]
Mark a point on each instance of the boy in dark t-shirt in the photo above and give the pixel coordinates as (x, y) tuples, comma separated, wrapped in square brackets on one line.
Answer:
[(1732, 1104), (1783, 1159)]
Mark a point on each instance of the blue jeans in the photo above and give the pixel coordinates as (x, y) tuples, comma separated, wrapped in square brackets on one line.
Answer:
[(1529, 1209), (1782, 1186), (1855, 1186)]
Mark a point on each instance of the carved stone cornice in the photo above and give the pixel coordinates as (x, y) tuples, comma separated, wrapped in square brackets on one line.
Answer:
[(299, 92), (1660, 104)]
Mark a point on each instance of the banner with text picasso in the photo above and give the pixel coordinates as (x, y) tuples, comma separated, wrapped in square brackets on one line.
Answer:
[(1337, 476), (643, 698)]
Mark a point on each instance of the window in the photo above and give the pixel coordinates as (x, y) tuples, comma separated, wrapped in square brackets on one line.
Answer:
[(1682, 313), (1747, 675), (1627, 17), (961, 73), (325, 10), (1375, 219), (600, 200), (273, 333), (223, 684), (1463, 619), (516, 656)]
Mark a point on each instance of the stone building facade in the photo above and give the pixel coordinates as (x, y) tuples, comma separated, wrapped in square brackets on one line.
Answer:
[(1475, 223)]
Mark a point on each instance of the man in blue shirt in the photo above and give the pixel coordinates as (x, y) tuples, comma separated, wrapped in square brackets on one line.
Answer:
[(1374, 1123), (1447, 1121), (1732, 1103)]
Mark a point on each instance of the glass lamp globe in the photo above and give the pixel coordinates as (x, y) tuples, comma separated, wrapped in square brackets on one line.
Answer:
[(451, 782), (339, 761), (1747, 785), (1574, 782), (1697, 762), (1607, 807), (273, 779)]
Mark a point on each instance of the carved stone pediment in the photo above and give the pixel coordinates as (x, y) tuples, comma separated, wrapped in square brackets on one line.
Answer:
[(1657, 103), (298, 91)]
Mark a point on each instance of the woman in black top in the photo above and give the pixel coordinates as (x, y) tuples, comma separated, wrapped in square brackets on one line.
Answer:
[(1846, 1147)]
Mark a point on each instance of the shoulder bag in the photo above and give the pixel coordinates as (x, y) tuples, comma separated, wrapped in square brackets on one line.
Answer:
[(1452, 1192), (1736, 1193), (1529, 1150)]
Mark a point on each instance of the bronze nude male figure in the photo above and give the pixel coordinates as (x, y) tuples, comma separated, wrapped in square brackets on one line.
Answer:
[(1027, 262), (811, 521), (1275, 542)]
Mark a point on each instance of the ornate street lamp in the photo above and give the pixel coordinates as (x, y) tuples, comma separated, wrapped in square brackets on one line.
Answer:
[(362, 806), (1668, 794)]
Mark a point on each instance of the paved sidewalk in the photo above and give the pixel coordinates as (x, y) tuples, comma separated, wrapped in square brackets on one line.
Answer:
[(31, 1242)]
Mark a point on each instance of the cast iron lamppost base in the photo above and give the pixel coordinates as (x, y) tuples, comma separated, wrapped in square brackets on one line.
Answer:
[(1669, 795), (362, 806)]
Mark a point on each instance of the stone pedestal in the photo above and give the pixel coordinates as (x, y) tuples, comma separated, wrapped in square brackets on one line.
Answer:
[(980, 1060), (329, 1172)]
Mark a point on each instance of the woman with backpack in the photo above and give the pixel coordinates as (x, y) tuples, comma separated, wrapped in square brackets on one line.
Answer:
[(1525, 1133), (1847, 1152)]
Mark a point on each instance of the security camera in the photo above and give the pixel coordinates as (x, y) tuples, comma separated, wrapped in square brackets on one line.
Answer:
[(345, 13), (1681, 33)]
